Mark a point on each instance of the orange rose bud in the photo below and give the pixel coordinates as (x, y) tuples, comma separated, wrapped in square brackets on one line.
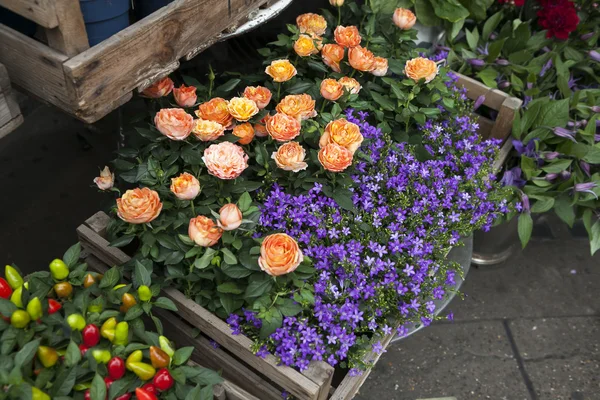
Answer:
[(106, 180), (139, 206), (305, 46), (342, 132), (281, 70), (245, 132), (350, 84), (347, 36), (421, 68), (174, 123), (279, 255), (331, 89), (283, 127), (260, 128), (215, 110), (299, 106), (230, 217), (332, 55), (380, 68), (336, 3), (185, 96), (404, 19), (361, 59), (207, 131), (242, 109), (290, 157), (185, 187), (335, 158), (204, 232), (313, 24), (159, 88), (225, 160), (259, 94)]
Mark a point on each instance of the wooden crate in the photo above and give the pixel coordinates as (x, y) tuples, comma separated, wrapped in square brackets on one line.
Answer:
[(88, 83), (263, 378), (499, 101), (10, 114)]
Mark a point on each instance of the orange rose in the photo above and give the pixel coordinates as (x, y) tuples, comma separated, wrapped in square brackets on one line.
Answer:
[(336, 3), (380, 68), (159, 88), (174, 123), (245, 132), (342, 132), (313, 24), (204, 232), (259, 94), (139, 206), (106, 180), (281, 70), (290, 157), (282, 127), (207, 131), (421, 68), (225, 160), (361, 59), (332, 55), (185, 96), (331, 89), (350, 84), (242, 109), (347, 36), (260, 128), (404, 19), (279, 254), (215, 110), (185, 186), (305, 46), (299, 106), (335, 158), (230, 217)]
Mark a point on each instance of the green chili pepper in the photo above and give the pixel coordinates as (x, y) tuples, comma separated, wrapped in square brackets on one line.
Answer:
[(121, 334), (101, 356), (13, 277), (15, 297), (37, 394), (76, 322), (144, 293), (107, 330), (47, 355), (34, 308), (59, 270), (143, 371), (165, 346)]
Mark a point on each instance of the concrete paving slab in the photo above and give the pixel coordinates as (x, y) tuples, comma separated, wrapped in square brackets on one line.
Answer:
[(561, 356), (549, 278), (469, 361)]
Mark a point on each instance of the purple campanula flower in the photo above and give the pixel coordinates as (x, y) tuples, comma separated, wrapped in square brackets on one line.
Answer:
[(546, 67), (585, 167), (450, 316), (478, 102), (502, 62), (512, 177), (587, 36), (476, 62), (586, 187), (483, 50), (595, 109), (528, 150), (525, 202), (551, 155), (564, 133), (504, 85), (594, 55), (565, 175), (550, 177)]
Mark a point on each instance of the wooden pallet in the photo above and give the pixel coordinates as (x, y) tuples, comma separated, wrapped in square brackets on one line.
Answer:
[(10, 114), (263, 378), (88, 83)]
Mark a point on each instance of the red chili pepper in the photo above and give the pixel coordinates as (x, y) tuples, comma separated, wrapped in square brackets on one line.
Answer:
[(5, 289), (87, 395), (163, 380), (141, 394), (53, 306), (116, 368), (125, 396), (150, 388), (108, 381), (91, 335), (83, 348)]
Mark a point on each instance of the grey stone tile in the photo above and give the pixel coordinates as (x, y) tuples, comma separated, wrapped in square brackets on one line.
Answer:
[(548, 278), (470, 361), (561, 356)]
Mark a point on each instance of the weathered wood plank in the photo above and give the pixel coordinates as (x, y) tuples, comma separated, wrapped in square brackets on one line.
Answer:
[(322, 374), (506, 116), (70, 36), (502, 156), (294, 382), (493, 97), (10, 113), (142, 51), (34, 67), (42, 12)]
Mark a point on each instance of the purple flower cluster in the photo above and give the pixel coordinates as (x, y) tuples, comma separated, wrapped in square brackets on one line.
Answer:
[(379, 266)]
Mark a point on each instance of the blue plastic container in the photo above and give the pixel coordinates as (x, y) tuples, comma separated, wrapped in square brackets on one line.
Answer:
[(104, 18), (147, 7)]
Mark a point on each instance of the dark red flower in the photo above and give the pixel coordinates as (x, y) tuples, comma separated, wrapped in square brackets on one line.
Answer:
[(555, 3), (516, 3), (559, 20)]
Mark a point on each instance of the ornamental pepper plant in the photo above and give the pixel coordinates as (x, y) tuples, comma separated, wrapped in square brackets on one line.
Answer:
[(82, 346)]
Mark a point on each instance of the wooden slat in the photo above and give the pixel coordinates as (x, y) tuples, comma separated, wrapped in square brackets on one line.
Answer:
[(70, 36), (502, 156), (294, 382), (147, 50), (494, 98), (34, 67), (42, 12), (350, 385), (506, 116), (321, 373), (10, 114)]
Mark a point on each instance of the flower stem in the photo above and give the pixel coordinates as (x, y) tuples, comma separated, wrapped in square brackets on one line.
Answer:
[(193, 210), (339, 15), (278, 91)]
